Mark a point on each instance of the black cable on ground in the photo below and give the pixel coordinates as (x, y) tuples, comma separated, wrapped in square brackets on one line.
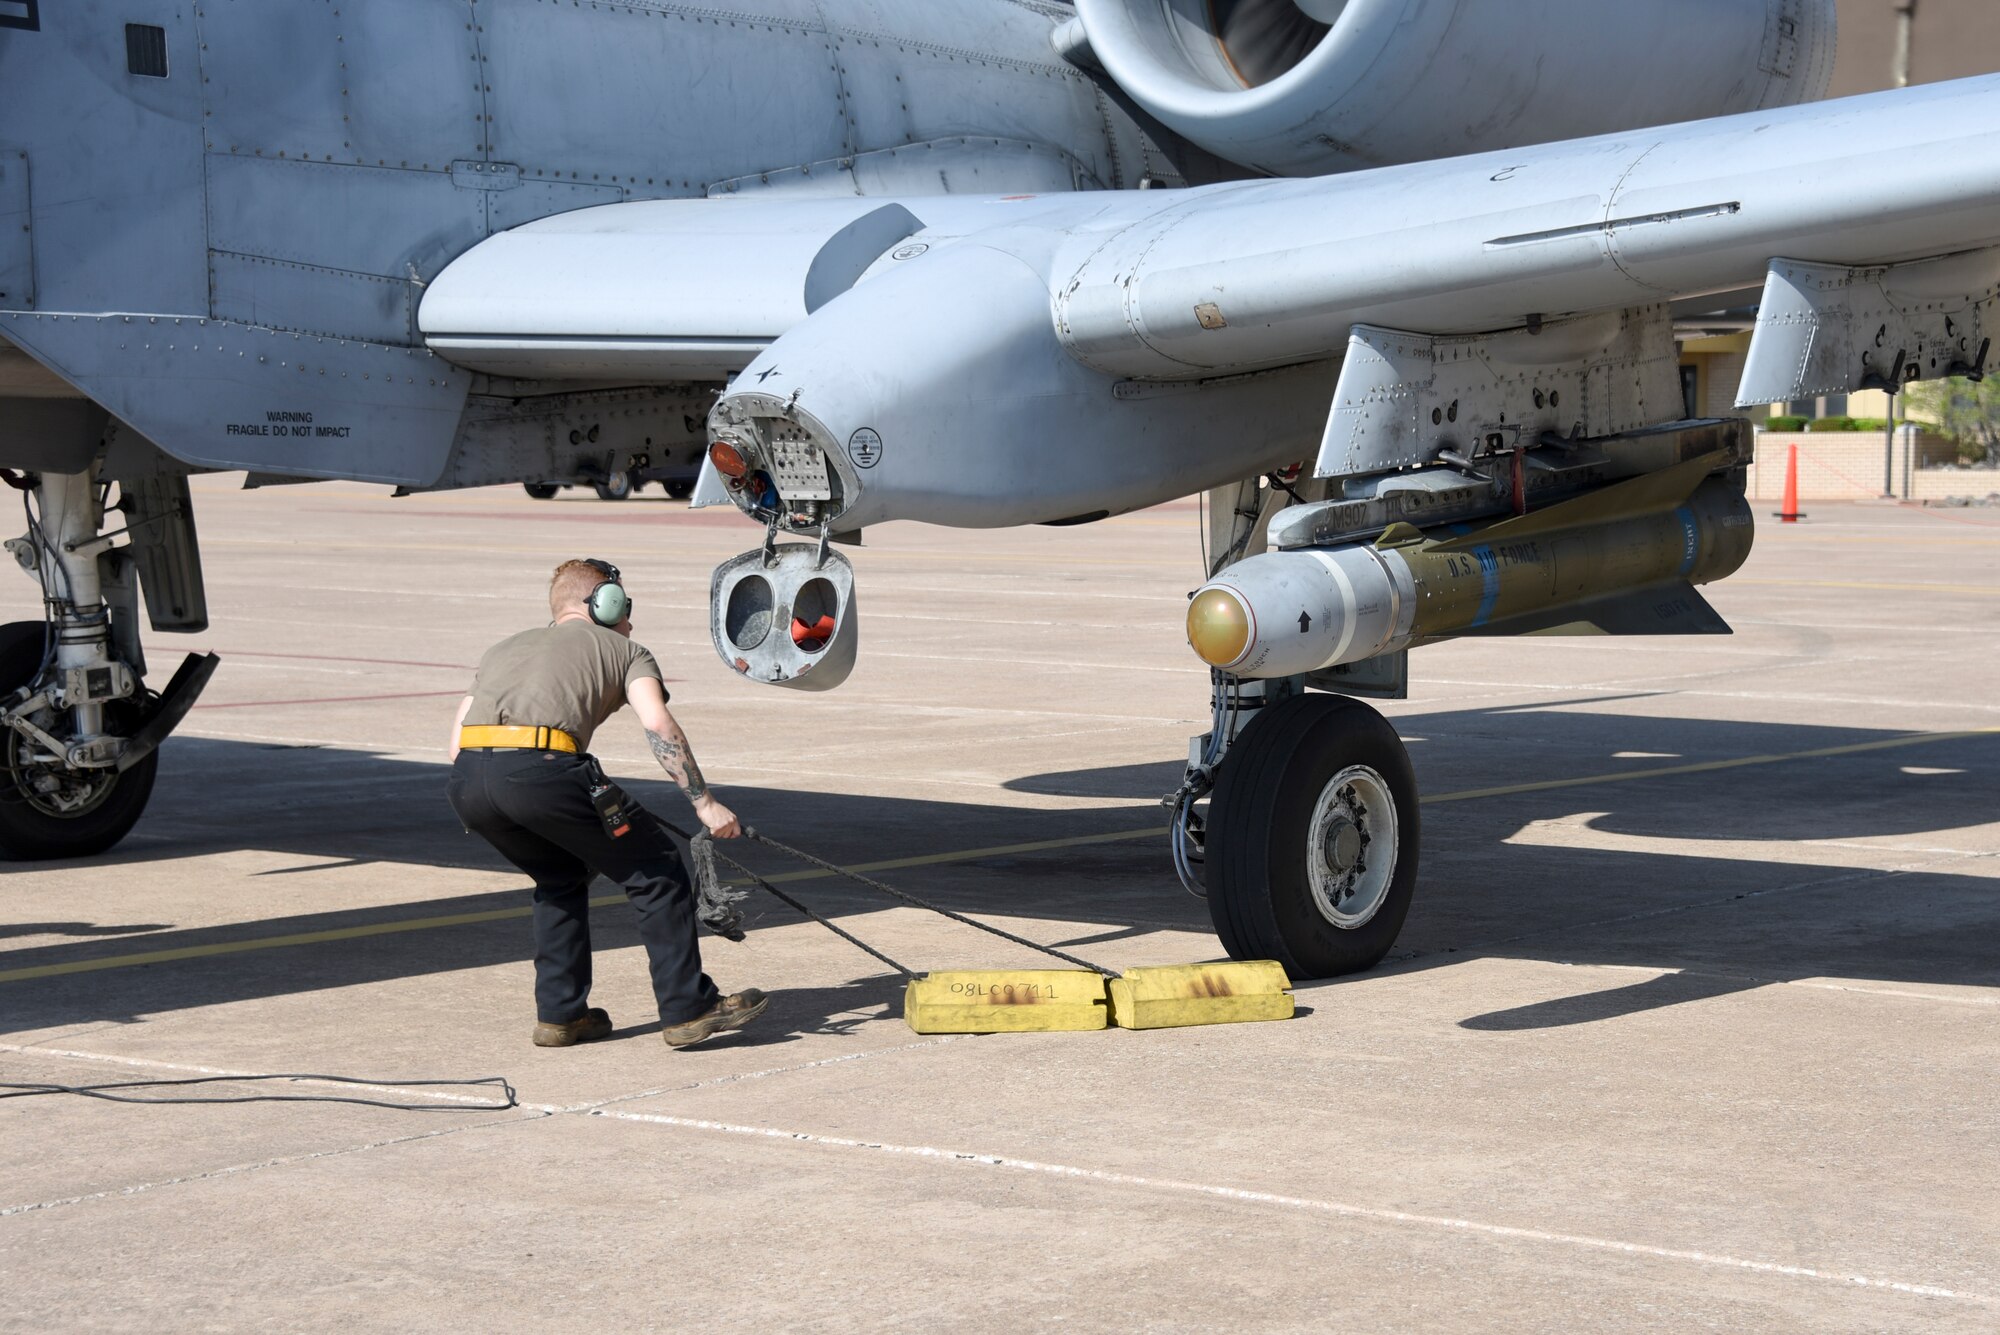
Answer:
[(104, 1091)]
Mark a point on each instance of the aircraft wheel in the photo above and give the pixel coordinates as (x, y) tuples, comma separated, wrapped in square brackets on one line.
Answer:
[(1312, 838), (542, 491), (617, 485), (48, 811), (679, 490)]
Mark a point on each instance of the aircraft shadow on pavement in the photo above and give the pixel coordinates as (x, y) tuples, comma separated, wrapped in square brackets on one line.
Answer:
[(1670, 873)]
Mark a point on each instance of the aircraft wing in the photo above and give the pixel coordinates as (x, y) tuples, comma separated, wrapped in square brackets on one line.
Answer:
[(993, 361), (1110, 351), (1261, 274)]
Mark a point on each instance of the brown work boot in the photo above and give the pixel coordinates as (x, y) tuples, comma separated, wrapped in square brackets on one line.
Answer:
[(594, 1025), (728, 1013)]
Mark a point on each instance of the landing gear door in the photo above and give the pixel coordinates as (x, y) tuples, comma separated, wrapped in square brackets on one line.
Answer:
[(160, 513)]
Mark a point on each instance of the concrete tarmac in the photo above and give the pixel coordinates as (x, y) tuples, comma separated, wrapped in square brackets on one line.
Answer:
[(1695, 1023)]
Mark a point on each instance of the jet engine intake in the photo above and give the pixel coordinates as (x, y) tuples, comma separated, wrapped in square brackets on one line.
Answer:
[(1307, 87)]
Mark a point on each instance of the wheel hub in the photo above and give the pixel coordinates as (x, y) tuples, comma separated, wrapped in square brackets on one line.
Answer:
[(1343, 844), (57, 791), (46, 783), (1351, 847)]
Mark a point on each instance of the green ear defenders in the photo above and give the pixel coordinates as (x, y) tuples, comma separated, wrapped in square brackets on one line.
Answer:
[(608, 603)]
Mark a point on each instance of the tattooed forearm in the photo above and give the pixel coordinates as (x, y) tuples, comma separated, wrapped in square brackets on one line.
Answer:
[(676, 757), (696, 786)]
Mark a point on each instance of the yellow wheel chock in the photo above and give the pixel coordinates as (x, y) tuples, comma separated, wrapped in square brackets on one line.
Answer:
[(1014, 1001), (1010, 1001), (1022, 1001), (1166, 996)]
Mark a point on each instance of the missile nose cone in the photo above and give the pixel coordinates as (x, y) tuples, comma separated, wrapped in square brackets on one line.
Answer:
[(1218, 626)]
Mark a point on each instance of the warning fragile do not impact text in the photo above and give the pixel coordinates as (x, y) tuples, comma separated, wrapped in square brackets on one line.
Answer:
[(279, 422)]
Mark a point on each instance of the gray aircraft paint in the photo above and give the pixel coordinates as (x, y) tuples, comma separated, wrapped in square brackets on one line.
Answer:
[(307, 170), (1368, 94), (1484, 242), (423, 242), (311, 169), (1208, 284), (456, 242)]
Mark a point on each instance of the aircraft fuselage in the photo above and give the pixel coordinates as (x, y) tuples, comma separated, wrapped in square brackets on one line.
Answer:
[(309, 168)]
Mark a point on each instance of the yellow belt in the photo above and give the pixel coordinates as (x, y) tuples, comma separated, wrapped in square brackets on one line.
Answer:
[(510, 735)]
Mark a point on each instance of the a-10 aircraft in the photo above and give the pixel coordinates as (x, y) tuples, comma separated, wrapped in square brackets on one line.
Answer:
[(1391, 281)]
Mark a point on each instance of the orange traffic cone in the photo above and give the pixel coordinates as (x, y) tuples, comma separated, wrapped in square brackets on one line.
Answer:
[(1790, 514)]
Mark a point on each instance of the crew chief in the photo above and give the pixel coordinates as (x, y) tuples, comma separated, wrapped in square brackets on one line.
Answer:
[(523, 780)]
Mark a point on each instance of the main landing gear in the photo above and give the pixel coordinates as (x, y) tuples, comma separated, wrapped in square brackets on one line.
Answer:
[(1312, 838), (1309, 848), (79, 733)]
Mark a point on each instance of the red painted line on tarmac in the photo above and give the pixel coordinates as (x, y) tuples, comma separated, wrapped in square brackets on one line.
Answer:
[(346, 658), (328, 700)]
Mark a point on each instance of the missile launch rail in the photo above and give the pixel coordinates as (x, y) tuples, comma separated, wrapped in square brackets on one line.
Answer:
[(1554, 470)]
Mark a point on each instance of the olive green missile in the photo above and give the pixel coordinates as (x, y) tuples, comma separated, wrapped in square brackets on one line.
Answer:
[(1621, 560)]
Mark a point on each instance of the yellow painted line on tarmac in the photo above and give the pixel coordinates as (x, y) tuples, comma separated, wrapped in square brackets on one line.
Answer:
[(258, 943), (939, 859), (499, 915)]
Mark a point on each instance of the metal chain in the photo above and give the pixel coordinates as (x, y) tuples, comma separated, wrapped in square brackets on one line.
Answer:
[(910, 899), (890, 890), (840, 932)]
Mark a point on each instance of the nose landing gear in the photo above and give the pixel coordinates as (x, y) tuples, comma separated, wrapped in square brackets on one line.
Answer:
[(78, 732), (48, 808)]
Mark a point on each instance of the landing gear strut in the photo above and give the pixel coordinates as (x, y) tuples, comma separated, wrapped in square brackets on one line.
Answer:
[(1307, 848), (49, 809), (78, 732)]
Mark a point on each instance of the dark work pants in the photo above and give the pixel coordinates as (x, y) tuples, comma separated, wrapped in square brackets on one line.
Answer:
[(535, 808)]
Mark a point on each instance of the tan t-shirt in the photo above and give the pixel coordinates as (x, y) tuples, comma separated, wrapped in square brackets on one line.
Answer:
[(571, 675)]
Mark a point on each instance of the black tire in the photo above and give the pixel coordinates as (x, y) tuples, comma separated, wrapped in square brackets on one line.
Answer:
[(1260, 819), (30, 831), (617, 485), (542, 491), (680, 489)]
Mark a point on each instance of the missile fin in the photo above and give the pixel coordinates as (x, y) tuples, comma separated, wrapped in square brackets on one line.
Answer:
[(1649, 493), (1663, 609), (1400, 534)]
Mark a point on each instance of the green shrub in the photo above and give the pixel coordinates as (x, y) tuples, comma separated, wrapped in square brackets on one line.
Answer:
[(1831, 424), (1967, 412), (1784, 423), (1873, 424)]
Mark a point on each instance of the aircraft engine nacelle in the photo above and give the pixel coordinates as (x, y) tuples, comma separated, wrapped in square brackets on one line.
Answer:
[(1307, 87)]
